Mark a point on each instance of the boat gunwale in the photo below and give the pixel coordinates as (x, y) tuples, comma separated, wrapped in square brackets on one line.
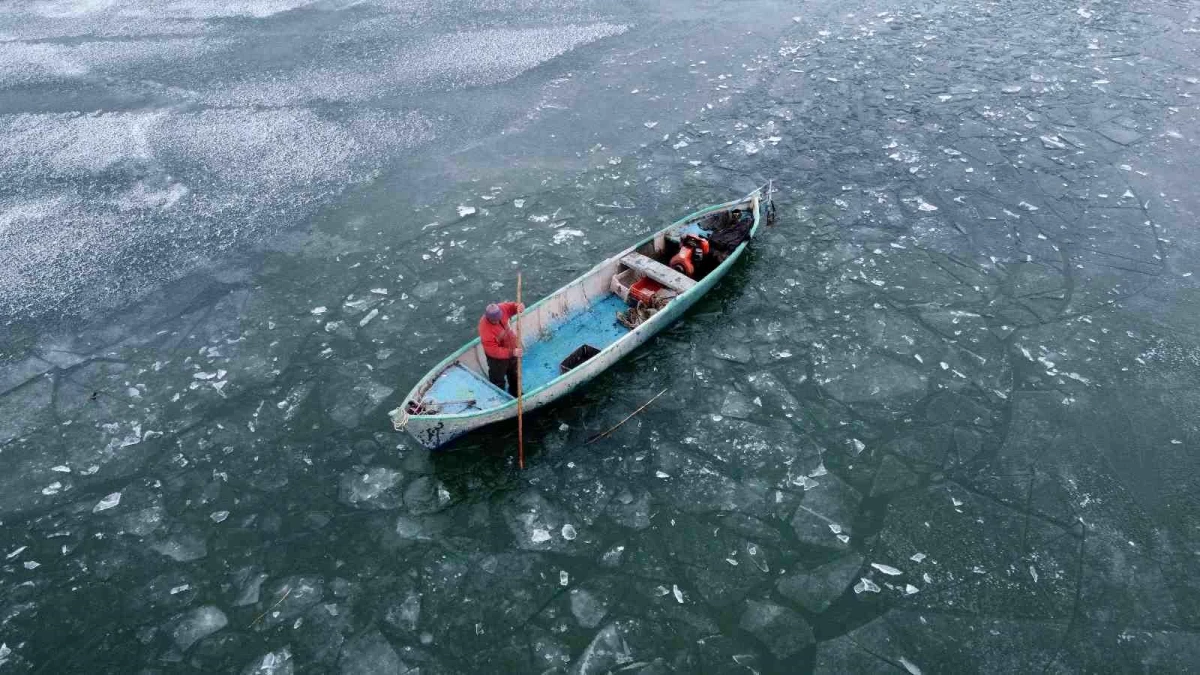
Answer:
[(432, 374)]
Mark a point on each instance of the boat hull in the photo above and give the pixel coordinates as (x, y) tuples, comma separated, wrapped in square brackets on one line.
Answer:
[(435, 431)]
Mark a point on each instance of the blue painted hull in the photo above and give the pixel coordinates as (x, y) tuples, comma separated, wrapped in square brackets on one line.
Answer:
[(436, 430)]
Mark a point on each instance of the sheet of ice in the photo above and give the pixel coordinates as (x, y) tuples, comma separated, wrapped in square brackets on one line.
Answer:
[(24, 63), (107, 503), (405, 614), (182, 547), (197, 625), (370, 654), (783, 631), (815, 589), (425, 495), (254, 164), (376, 488), (606, 652), (470, 58), (278, 662)]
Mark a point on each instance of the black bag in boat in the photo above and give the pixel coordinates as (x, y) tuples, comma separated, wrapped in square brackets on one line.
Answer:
[(731, 231)]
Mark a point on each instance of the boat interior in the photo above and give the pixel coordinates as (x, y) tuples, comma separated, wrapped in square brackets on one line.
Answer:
[(595, 311)]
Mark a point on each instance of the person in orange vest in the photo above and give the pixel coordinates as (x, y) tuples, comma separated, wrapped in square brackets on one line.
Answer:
[(500, 344)]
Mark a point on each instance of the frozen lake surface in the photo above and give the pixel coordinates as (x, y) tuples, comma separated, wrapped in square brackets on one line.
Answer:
[(943, 419)]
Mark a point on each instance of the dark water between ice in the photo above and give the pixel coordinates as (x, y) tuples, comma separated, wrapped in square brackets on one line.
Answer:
[(943, 419)]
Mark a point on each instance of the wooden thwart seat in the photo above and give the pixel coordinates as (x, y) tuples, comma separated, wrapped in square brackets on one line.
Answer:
[(659, 272)]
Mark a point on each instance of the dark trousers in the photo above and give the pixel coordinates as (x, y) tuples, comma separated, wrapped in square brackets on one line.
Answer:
[(499, 370)]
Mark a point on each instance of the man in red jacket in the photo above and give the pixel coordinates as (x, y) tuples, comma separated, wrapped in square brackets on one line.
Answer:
[(500, 344)]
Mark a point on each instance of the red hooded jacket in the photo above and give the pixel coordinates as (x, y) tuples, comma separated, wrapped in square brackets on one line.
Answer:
[(498, 341)]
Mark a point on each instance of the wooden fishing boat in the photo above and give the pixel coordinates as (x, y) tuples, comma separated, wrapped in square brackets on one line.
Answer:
[(581, 329)]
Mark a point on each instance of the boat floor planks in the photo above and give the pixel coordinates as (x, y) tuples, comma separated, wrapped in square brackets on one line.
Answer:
[(596, 326)]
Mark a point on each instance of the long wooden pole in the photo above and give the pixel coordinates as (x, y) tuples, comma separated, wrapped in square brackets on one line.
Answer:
[(520, 390)]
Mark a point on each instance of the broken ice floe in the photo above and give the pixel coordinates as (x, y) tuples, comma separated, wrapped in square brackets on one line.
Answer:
[(1053, 142), (197, 625), (588, 609), (865, 585), (107, 503), (278, 662), (887, 569)]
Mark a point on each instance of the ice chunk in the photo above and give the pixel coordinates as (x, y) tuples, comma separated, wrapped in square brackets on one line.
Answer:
[(612, 557), (407, 613), (144, 522), (875, 379), (426, 495), (1053, 142), (815, 589), (370, 654), (250, 589), (865, 585), (887, 569), (738, 405), (606, 652), (630, 512), (420, 528), (677, 593), (278, 662), (107, 503), (376, 488), (464, 211), (781, 630), (910, 666), (318, 311), (532, 519), (587, 609), (292, 597), (197, 625), (564, 579), (183, 547), (363, 396), (833, 502), (218, 516), (568, 532)]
